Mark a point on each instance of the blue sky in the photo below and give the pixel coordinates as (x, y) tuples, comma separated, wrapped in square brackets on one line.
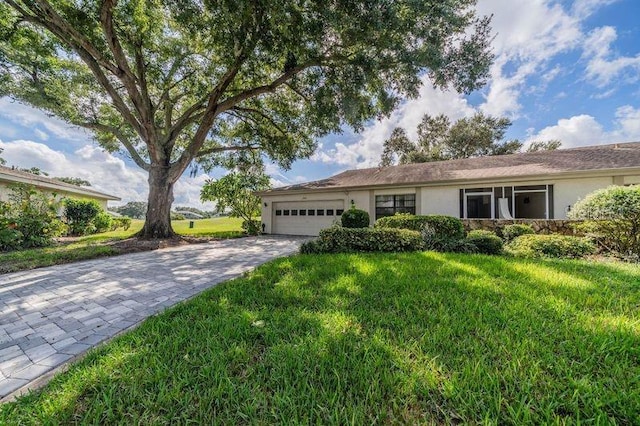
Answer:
[(567, 70)]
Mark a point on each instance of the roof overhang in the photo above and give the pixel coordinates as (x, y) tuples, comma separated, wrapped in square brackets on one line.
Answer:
[(52, 186), (622, 171)]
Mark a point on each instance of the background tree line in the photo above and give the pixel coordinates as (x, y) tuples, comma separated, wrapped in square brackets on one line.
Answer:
[(440, 139)]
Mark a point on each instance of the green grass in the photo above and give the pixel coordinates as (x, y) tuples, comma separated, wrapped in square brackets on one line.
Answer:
[(379, 338), (93, 246)]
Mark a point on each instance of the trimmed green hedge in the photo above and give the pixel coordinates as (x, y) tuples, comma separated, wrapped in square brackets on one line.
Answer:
[(511, 232), (344, 240), (550, 246), (443, 227), (355, 218), (486, 242)]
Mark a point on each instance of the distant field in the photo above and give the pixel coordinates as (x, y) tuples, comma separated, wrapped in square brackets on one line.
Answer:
[(93, 246)]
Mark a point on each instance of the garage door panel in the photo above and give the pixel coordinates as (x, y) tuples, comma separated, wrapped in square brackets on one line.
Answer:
[(305, 217)]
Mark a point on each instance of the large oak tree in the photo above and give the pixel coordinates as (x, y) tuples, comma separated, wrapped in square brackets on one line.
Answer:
[(201, 82)]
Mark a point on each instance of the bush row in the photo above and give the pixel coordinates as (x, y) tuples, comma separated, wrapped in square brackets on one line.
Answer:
[(338, 239), (404, 232), (30, 218), (550, 246)]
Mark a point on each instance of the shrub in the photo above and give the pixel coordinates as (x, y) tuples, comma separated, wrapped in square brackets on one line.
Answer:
[(355, 218), (251, 227), (29, 219), (312, 247), (550, 246), (102, 221), (10, 237), (442, 227), (80, 215), (510, 232), (487, 242), (451, 246), (177, 216), (614, 218), (338, 240), (120, 222)]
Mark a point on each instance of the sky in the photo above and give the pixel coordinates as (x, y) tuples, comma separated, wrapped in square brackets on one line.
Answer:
[(567, 70)]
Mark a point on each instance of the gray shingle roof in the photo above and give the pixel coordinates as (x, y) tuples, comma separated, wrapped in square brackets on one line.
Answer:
[(8, 174), (583, 159)]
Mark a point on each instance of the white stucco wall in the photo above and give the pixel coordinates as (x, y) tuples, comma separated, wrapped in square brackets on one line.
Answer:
[(440, 200), (445, 199), (360, 198), (5, 191), (567, 191)]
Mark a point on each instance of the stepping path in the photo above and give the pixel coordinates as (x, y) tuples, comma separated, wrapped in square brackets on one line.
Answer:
[(51, 315)]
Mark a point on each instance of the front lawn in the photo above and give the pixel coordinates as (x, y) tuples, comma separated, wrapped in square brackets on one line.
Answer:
[(97, 245), (378, 338)]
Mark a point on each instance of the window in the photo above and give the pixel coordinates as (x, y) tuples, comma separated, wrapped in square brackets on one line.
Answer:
[(339, 212), (478, 203), (388, 205), (329, 212), (278, 212), (320, 212), (524, 202), (285, 212), (294, 212), (303, 212), (311, 212)]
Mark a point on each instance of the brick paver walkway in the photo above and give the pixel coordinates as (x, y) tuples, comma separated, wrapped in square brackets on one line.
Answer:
[(50, 315)]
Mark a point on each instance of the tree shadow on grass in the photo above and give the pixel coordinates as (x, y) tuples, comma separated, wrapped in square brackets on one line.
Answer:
[(407, 338)]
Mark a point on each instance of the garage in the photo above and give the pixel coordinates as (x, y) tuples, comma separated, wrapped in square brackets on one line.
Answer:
[(305, 217)]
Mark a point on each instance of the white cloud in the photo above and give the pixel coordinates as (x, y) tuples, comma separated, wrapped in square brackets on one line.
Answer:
[(26, 116), (277, 178), (584, 8), (603, 65), (628, 121), (41, 135), (367, 150), (529, 33), (584, 130), (106, 172)]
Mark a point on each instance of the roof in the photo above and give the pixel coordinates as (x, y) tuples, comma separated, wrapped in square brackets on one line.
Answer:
[(11, 175), (561, 161)]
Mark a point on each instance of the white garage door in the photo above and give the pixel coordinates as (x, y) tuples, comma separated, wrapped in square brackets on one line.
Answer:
[(305, 217)]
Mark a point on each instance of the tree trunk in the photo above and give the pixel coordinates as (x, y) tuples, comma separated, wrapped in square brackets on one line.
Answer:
[(158, 221)]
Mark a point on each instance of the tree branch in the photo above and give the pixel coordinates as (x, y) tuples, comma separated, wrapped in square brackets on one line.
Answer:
[(135, 156), (267, 88), (124, 73), (204, 152), (261, 114), (45, 16)]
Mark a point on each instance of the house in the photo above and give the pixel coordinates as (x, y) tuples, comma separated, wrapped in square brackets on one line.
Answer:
[(537, 185), (10, 176)]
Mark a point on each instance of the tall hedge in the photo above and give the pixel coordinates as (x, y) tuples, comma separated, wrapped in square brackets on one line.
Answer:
[(444, 227), (338, 240), (613, 218), (355, 218)]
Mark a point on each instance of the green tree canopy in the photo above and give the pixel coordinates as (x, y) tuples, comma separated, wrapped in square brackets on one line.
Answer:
[(549, 145), (74, 181), (134, 209), (439, 139), (181, 81), (234, 193)]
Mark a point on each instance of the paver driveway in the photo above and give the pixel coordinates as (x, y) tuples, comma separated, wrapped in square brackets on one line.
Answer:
[(50, 315)]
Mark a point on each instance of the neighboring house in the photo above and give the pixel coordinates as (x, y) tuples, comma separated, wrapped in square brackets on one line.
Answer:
[(10, 176), (537, 185)]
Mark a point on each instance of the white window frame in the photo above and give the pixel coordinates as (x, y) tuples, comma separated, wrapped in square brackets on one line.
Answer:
[(545, 191), (493, 200)]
